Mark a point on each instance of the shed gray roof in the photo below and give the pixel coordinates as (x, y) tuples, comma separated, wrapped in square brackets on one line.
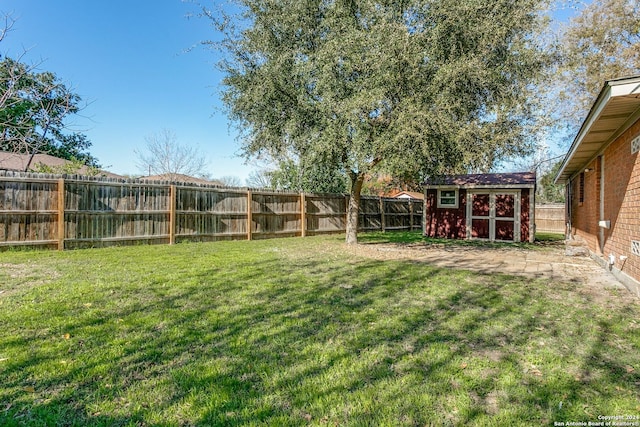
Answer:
[(516, 179)]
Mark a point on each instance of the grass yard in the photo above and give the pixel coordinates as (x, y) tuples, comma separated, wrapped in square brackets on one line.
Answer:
[(302, 332)]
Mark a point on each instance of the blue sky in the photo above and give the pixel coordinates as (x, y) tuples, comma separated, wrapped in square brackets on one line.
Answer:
[(127, 59)]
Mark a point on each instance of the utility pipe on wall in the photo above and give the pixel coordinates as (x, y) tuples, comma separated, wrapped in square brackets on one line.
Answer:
[(568, 202), (601, 203)]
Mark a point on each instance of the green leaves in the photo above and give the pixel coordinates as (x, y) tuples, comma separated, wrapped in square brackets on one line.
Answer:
[(308, 176), (33, 109), (348, 78)]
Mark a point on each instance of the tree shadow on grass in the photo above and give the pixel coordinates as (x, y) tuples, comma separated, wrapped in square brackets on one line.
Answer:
[(310, 341), (402, 238)]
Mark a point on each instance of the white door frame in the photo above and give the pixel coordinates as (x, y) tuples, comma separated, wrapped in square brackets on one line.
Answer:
[(492, 213)]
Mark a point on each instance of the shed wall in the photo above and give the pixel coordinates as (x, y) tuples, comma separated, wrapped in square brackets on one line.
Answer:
[(445, 223), (525, 226)]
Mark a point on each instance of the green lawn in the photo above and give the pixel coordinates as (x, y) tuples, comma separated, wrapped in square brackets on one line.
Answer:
[(298, 332)]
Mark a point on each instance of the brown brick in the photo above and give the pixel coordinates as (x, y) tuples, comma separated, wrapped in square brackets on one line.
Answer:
[(621, 202)]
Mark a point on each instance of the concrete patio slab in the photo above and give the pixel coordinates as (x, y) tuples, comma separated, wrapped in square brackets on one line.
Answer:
[(548, 262)]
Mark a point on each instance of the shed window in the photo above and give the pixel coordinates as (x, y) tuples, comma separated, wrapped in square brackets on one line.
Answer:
[(448, 198), (635, 145)]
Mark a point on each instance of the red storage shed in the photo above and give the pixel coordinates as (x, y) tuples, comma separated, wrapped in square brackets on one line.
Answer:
[(494, 207)]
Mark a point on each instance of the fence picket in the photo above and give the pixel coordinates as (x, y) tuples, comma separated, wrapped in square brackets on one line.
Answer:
[(68, 211)]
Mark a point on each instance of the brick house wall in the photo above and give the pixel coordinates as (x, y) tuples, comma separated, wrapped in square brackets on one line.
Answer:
[(622, 201), (585, 207), (621, 198)]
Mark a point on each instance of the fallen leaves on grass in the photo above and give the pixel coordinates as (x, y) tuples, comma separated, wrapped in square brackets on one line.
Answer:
[(534, 371)]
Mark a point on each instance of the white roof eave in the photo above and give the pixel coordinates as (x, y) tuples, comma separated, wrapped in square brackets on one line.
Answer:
[(612, 89)]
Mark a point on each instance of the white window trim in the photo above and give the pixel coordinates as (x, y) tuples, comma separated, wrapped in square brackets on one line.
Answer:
[(455, 205)]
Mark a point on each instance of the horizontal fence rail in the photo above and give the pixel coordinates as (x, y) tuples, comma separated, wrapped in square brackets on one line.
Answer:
[(70, 211)]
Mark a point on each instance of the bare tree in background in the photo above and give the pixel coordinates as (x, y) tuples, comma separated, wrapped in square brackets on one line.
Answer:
[(600, 43), (9, 21), (261, 178), (230, 181), (164, 155)]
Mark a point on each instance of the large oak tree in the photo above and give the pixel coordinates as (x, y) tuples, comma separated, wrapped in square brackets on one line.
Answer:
[(412, 87)]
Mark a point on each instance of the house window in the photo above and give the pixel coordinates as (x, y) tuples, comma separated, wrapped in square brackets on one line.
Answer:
[(635, 145), (448, 198), (581, 189)]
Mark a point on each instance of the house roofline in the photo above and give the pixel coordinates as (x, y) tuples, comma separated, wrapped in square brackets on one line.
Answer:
[(613, 88)]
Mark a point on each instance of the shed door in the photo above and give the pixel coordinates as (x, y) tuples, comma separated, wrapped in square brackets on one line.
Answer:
[(480, 216), (493, 215)]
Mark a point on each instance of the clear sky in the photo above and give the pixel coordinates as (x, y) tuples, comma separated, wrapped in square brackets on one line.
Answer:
[(127, 59)]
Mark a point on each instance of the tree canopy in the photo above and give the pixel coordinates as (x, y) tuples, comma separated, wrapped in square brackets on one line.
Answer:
[(34, 109), (547, 191), (601, 43), (415, 87), (307, 176)]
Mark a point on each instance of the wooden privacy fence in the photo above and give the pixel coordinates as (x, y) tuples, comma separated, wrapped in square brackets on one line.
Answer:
[(550, 218), (75, 211)]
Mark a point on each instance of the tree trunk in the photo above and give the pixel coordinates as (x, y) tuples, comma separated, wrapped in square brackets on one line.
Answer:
[(357, 179)]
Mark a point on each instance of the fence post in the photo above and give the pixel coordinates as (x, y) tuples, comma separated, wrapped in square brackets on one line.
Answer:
[(303, 215), (172, 214), (61, 228), (249, 219), (382, 220), (410, 215)]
